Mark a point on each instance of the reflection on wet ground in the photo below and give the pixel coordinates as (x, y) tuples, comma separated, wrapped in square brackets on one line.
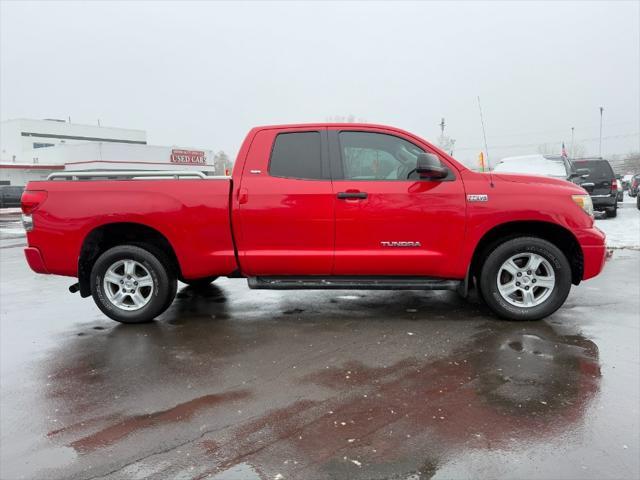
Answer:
[(231, 383)]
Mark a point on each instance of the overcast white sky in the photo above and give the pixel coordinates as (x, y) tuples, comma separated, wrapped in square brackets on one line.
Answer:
[(201, 74)]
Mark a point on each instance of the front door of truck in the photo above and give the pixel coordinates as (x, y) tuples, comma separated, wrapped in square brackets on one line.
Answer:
[(285, 201), (388, 220)]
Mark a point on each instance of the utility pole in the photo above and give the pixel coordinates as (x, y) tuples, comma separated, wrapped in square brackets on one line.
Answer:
[(601, 110), (572, 151)]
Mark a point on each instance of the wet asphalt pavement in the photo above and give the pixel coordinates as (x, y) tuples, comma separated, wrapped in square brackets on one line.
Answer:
[(237, 384)]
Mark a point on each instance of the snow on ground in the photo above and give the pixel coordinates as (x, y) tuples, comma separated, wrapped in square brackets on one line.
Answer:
[(10, 211), (622, 231)]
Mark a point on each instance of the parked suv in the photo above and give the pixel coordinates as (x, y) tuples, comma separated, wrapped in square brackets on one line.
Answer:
[(10, 196), (633, 185), (599, 182)]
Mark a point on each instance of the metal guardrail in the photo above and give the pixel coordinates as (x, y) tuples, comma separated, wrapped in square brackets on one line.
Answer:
[(134, 175)]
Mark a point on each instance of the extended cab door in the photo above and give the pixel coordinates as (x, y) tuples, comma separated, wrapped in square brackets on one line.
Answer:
[(389, 221), (285, 203)]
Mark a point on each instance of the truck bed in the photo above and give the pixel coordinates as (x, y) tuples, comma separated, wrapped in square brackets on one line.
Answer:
[(191, 213)]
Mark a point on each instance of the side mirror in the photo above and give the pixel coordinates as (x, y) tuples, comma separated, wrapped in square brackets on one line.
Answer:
[(580, 172), (429, 167)]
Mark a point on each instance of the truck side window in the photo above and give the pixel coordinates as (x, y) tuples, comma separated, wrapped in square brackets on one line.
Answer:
[(377, 156), (296, 155)]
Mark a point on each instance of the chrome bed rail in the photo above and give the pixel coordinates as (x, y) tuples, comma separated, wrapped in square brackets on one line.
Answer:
[(135, 175)]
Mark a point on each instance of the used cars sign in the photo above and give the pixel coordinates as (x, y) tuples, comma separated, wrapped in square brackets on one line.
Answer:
[(192, 157)]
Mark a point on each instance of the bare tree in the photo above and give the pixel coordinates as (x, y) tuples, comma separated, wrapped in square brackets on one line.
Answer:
[(629, 164), (221, 163), (548, 149), (345, 119), (553, 148)]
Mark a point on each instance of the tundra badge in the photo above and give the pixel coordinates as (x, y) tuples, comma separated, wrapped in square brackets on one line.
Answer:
[(481, 197), (400, 244)]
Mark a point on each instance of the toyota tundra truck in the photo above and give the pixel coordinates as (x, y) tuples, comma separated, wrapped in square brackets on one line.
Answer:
[(318, 206)]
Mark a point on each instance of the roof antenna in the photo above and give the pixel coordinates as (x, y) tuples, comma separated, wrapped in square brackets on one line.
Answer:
[(486, 148)]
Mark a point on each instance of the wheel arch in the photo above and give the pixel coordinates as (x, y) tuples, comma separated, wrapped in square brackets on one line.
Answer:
[(109, 235), (558, 235)]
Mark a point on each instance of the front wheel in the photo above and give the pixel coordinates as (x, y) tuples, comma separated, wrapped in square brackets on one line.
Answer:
[(526, 278), (131, 285)]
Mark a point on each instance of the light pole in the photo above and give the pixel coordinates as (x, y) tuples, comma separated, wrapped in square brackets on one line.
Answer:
[(601, 110), (572, 152)]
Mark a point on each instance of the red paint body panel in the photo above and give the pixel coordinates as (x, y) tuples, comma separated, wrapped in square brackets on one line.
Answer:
[(284, 226), (34, 259), (432, 214), (193, 215), (523, 198)]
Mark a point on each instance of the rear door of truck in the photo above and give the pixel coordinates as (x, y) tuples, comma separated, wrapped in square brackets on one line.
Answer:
[(285, 202)]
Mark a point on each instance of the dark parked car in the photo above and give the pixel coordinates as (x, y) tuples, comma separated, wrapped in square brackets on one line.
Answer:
[(633, 185), (600, 183), (10, 196)]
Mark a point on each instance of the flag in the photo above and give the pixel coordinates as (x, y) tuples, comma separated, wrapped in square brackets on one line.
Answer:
[(564, 151)]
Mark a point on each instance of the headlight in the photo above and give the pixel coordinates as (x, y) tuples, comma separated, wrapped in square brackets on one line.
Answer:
[(584, 202)]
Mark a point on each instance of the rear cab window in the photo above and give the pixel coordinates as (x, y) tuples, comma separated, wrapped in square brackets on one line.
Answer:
[(298, 155)]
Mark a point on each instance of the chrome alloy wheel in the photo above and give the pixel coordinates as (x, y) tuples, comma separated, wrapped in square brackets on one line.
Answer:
[(128, 285), (526, 280)]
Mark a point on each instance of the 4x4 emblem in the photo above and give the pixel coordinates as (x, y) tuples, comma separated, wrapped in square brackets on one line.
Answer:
[(480, 197)]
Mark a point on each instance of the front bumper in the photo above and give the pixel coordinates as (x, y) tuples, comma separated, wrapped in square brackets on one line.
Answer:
[(594, 251)]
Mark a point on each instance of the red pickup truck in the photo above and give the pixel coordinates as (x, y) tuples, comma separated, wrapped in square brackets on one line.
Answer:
[(342, 206)]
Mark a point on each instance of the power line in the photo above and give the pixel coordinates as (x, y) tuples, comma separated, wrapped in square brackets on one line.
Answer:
[(560, 130), (592, 139)]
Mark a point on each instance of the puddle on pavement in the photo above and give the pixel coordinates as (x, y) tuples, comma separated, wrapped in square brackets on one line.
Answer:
[(510, 386)]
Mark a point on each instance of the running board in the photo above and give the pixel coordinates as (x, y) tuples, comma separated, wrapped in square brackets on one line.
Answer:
[(352, 283)]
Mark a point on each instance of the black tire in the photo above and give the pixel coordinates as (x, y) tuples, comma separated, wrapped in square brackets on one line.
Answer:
[(200, 282), (164, 283), (491, 268), (612, 212)]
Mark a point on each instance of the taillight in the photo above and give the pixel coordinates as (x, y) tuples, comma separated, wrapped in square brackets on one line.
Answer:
[(31, 200), (614, 185)]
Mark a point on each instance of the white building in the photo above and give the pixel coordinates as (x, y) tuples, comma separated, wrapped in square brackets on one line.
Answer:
[(32, 149)]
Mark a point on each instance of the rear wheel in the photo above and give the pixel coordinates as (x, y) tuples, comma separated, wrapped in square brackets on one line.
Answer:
[(526, 278), (132, 285), (612, 212)]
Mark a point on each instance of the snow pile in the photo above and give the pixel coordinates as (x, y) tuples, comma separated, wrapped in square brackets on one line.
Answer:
[(624, 230)]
